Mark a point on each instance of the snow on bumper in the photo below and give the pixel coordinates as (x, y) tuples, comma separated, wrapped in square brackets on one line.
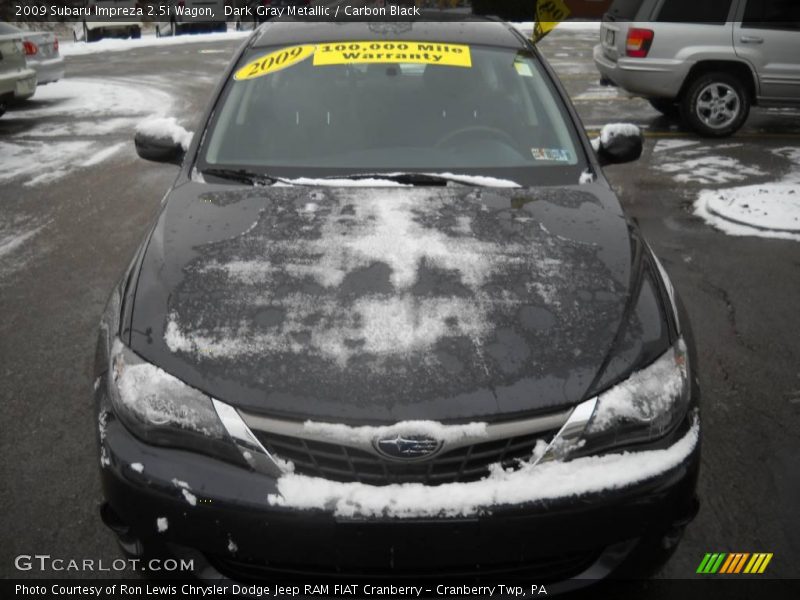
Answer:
[(530, 483)]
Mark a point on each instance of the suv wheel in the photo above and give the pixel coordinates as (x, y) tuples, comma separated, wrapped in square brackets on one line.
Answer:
[(716, 105), (667, 107)]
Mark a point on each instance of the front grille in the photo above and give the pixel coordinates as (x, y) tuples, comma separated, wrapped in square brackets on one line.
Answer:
[(539, 569), (344, 463)]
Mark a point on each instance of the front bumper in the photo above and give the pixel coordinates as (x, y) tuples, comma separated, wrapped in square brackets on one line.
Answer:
[(645, 77), (218, 514)]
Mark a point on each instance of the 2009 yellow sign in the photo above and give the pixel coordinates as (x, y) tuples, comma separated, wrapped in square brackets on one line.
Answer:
[(275, 61), (345, 53)]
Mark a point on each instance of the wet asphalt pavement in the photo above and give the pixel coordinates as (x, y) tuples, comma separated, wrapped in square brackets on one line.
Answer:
[(741, 294)]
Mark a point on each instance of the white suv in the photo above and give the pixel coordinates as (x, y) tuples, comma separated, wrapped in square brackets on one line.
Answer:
[(708, 61)]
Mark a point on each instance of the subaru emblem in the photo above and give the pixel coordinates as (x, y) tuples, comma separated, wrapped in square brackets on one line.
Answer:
[(407, 447)]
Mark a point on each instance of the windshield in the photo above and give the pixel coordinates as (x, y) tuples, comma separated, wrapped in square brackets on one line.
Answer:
[(358, 107)]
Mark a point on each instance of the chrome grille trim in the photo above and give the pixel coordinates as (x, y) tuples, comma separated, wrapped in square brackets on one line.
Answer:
[(494, 431)]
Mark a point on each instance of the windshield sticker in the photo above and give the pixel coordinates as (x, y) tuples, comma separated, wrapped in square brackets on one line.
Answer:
[(275, 61), (428, 53), (554, 154), (523, 68)]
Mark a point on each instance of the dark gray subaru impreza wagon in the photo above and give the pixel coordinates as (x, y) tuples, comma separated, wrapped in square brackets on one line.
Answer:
[(392, 323)]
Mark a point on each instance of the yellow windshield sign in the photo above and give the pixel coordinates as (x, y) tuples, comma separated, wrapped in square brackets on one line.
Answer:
[(426, 53), (275, 61)]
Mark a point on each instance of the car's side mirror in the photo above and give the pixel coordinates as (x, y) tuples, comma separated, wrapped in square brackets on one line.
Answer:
[(619, 143), (162, 140)]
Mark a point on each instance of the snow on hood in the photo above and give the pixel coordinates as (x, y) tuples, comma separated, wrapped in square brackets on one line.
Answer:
[(378, 229), (529, 483), (383, 297)]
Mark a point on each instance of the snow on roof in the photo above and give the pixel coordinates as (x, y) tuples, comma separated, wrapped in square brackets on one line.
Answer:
[(545, 481)]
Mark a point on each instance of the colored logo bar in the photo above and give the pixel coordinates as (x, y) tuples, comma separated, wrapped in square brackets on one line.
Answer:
[(734, 563)]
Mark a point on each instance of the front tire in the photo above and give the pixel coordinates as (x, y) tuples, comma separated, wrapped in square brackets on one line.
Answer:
[(716, 105), (668, 108)]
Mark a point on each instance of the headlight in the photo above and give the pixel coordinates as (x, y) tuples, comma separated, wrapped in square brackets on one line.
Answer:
[(162, 410), (646, 406)]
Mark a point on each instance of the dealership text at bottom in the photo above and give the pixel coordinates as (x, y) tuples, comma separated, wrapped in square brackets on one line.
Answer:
[(278, 591)]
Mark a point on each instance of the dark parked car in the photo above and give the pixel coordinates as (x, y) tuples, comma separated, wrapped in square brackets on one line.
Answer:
[(392, 321)]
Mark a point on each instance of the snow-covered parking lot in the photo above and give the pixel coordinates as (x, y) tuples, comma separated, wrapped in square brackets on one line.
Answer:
[(723, 216)]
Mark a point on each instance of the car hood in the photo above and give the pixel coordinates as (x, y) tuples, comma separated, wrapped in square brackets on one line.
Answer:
[(374, 305)]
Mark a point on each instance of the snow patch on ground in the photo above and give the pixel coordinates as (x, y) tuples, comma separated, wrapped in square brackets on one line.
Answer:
[(529, 483), (146, 41), (671, 145), (364, 435), (708, 169), (770, 210), (71, 108), (102, 155), (12, 241)]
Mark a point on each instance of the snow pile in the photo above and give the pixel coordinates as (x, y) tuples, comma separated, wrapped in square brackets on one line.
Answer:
[(645, 396), (166, 128), (146, 41), (335, 432), (529, 483), (770, 210)]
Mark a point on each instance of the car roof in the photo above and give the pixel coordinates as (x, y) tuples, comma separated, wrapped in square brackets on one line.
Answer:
[(477, 31)]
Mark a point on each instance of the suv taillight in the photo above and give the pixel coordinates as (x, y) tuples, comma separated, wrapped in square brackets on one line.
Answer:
[(55, 45), (639, 42), (30, 48)]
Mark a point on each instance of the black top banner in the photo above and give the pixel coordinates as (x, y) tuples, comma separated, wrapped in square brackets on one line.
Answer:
[(786, 13)]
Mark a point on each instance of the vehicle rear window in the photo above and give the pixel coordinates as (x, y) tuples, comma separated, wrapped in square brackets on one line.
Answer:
[(773, 14), (491, 108), (713, 12), (624, 10)]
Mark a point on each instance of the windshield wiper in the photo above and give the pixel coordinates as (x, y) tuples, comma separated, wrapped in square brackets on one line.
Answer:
[(421, 179), (243, 176)]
